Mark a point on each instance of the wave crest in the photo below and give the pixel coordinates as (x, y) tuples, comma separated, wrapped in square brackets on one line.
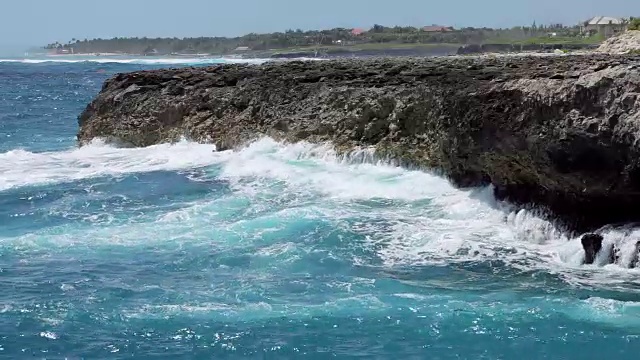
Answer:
[(404, 217)]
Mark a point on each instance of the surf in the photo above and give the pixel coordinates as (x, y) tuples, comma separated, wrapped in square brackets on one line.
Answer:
[(405, 217), (25, 168)]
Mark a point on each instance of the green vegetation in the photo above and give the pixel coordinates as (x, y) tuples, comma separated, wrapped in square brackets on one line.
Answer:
[(333, 40), (590, 40), (634, 24), (363, 47)]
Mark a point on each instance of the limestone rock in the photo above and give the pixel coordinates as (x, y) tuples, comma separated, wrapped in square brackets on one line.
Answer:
[(559, 133), (628, 41)]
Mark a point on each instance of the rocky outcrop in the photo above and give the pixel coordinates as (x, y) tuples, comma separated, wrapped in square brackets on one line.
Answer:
[(557, 132), (592, 244), (628, 41)]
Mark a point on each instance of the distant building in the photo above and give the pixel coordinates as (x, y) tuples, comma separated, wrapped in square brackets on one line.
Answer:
[(60, 50), (603, 25), (150, 52), (437, 28), (357, 32), (243, 48)]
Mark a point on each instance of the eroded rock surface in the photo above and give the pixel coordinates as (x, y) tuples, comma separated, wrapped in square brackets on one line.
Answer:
[(591, 244), (628, 41), (559, 132)]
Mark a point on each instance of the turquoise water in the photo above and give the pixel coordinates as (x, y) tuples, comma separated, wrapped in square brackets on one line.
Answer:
[(273, 252)]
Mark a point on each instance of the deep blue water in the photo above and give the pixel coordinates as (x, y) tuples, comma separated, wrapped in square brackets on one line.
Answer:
[(272, 252)]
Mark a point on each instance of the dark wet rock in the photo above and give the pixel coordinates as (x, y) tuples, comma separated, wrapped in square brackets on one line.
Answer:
[(560, 132), (592, 244), (615, 254), (635, 259)]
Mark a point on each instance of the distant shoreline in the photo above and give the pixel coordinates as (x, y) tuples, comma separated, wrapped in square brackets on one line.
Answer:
[(326, 52), (87, 54), (98, 55), (338, 42)]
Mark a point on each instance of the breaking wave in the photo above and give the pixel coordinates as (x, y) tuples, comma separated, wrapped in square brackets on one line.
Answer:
[(24, 168), (404, 217)]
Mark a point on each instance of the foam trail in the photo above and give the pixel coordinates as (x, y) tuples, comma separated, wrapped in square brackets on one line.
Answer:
[(24, 168), (137, 61)]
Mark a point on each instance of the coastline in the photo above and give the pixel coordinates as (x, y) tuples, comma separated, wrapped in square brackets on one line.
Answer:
[(543, 130), (391, 50)]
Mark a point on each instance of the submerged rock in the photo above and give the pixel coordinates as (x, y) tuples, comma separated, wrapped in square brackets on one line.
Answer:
[(636, 256), (556, 132), (592, 244)]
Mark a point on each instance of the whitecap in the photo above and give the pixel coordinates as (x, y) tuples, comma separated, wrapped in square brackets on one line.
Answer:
[(49, 335), (24, 168)]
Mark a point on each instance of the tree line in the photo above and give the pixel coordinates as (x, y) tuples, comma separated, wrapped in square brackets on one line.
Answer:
[(294, 39)]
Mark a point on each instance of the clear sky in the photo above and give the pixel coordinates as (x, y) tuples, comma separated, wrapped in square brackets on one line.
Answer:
[(37, 22)]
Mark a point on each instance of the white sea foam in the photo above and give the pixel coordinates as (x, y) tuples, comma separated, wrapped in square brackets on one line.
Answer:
[(446, 225), (137, 61), (24, 168), (450, 225), (317, 167), (348, 305), (616, 313), (49, 335), (406, 217)]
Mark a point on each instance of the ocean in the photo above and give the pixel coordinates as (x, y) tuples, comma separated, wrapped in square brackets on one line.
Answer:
[(273, 251)]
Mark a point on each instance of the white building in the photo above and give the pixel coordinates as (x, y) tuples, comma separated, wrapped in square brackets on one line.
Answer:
[(603, 25)]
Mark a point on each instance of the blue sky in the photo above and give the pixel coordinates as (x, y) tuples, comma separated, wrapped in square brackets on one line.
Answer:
[(36, 22)]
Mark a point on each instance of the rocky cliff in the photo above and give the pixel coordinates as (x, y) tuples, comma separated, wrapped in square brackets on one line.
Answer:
[(558, 132)]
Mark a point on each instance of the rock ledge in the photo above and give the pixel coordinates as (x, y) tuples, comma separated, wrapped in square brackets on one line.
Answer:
[(558, 132)]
